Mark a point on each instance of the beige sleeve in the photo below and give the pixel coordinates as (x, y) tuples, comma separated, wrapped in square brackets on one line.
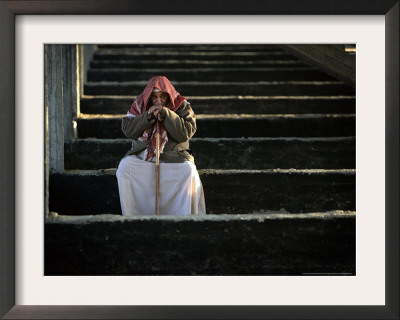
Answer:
[(181, 125), (133, 127)]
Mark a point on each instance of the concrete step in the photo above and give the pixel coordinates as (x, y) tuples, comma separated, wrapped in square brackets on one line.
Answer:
[(226, 191), (214, 74), (205, 55), (227, 153), (273, 88), (273, 244), (190, 47), (236, 126), (188, 64), (236, 104)]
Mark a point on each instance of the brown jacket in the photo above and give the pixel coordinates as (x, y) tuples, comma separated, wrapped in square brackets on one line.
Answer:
[(180, 126)]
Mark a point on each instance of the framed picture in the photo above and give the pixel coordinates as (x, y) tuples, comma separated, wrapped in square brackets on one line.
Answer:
[(9, 10), (276, 122)]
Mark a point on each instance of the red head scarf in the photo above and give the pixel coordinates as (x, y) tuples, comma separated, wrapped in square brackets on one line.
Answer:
[(140, 105)]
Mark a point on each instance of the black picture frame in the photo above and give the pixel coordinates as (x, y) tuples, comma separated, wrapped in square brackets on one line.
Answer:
[(8, 11)]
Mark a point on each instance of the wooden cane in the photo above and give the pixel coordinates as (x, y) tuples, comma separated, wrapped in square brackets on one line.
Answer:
[(157, 163)]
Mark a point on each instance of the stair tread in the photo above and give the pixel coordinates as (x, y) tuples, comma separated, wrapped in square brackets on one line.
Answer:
[(260, 216), (236, 104), (228, 88), (191, 61), (239, 116), (296, 190), (190, 47), (233, 153), (111, 171), (232, 97), (204, 70), (210, 139), (177, 53), (325, 125), (203, 74), (222, 83)]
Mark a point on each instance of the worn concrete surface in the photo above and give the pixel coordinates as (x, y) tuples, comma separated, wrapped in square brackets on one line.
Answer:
[(226, 191), (132, 55), (276, 244), (233, 104), (331, 125), (283, 88), (220, 153), (214, 73), (275, 61)]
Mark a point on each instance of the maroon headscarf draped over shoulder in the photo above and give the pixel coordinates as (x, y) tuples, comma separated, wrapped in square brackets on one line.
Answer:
[(140, 105)]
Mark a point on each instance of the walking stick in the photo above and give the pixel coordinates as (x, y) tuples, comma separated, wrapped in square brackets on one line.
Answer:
[(157, 162)]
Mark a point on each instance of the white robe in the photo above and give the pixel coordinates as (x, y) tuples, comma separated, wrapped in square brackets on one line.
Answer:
[(180, 189)]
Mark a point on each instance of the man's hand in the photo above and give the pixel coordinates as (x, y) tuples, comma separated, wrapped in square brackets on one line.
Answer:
[(156, 112)]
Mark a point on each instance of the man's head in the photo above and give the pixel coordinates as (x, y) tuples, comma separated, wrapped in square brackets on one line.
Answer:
[(159, 98), (158, 91)]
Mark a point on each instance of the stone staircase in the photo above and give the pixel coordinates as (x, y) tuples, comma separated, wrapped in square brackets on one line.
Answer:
[(275, 150)]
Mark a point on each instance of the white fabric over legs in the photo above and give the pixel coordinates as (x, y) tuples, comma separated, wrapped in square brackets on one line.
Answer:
[(180, 193)]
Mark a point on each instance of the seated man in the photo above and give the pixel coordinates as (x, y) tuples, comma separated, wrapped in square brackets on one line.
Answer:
[(180, 188)]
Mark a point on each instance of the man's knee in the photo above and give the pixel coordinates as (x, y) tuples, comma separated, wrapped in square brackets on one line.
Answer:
[(123, 168)]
